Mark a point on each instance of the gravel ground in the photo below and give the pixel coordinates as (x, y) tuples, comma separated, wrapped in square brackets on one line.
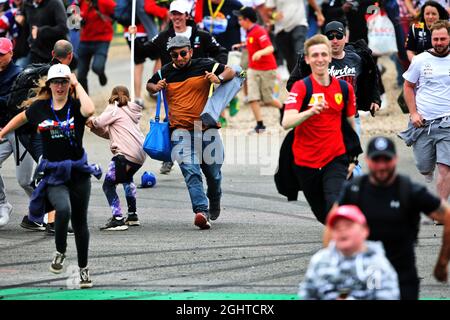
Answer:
[(388, 121)]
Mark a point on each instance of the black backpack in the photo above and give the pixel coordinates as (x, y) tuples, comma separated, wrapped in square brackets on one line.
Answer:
[(404, 191), (21, 89), (351, 139)]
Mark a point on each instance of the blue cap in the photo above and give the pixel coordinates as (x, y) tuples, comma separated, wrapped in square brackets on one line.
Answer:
[(148, 180)]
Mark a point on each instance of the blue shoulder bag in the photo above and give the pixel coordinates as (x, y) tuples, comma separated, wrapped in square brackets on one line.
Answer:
[(157, 143)]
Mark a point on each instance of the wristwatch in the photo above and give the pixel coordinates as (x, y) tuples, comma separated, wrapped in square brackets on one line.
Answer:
[(221, 79)]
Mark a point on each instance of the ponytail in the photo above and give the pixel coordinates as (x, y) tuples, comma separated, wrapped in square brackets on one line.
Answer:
[(121, 95)]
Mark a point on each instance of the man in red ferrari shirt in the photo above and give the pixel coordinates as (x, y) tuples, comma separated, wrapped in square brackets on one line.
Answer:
[(321, 163), (262, 66)]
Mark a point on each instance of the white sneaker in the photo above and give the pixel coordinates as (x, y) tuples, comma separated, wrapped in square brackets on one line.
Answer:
[(5, 212), (424, 220), (283, 72)]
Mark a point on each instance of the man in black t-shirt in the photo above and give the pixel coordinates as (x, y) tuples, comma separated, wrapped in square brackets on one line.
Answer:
[(392, 205)]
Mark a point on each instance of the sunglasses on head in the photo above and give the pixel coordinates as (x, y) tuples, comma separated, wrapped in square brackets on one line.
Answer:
[(338, 36), (182, 53), (59, 81)]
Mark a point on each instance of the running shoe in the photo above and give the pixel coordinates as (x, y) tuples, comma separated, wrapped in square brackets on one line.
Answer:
[(31, 225), (201, 220), (57, 265), (85, 278), (115, 224), (132, 219)]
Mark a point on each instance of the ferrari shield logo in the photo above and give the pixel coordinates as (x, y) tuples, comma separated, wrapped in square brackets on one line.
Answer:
[(338, 98)]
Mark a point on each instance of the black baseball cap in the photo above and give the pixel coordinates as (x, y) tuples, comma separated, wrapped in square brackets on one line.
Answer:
[(381, 146), (246, 12), (335, 26)]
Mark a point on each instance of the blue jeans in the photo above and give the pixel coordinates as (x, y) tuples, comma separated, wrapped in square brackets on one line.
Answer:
[(98, 50), (23, 61), (74, 37), (312, 23), (197, 152), (393, 12), (358, 170)]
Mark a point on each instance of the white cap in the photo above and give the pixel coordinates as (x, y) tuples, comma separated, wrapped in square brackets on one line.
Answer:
[(180, 6), (58, 71)]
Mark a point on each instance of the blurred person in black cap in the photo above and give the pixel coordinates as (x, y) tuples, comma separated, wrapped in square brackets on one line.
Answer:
[(392, 204)]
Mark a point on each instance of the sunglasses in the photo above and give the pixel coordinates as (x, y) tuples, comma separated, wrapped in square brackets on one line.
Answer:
[(59, 81), (182, 53), (338, 36)]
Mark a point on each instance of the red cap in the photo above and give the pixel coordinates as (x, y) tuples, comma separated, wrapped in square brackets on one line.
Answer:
[(349, 212), (6, 45)]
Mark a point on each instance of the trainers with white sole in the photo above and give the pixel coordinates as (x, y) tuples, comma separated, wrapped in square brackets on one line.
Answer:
[(132, 220), (5, 213), (115, 224), (31, 225), (201, 220), (57, 265), (85, 278)]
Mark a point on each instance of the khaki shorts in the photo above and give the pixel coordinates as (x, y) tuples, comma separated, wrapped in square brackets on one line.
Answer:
[(244, 59), (260, 85)]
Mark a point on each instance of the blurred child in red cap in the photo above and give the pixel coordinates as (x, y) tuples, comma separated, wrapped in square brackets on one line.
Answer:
[(350, 267)]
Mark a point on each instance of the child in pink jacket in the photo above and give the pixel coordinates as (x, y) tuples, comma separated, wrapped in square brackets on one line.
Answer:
[(120, 124)]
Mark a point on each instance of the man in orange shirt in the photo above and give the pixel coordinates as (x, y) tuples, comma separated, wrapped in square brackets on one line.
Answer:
[(187, 82)]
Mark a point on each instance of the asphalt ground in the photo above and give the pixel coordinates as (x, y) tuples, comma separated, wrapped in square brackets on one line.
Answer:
[(259, 247)]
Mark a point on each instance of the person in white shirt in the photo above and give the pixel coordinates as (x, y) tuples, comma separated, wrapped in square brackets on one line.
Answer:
[(427, 94)]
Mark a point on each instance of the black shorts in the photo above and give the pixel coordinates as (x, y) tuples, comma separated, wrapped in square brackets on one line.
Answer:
[(139, 51), (125, 169)]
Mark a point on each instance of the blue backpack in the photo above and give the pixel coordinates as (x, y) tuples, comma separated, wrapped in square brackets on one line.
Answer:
[(122, 12)]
